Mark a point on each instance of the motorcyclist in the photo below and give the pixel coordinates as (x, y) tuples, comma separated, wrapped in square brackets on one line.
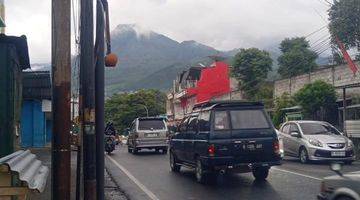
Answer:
[(110, 129)]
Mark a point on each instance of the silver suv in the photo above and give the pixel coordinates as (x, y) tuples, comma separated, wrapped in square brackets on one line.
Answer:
[(148, 133), (316, 140)]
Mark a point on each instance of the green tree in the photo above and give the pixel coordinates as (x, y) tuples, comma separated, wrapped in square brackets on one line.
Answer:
[(344, 16), (265, 94), (296, 58), (250, 68), (316, 97), (123, 108), (284, 101)]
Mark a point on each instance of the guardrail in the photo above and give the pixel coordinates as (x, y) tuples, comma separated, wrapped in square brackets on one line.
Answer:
[(20, 174)]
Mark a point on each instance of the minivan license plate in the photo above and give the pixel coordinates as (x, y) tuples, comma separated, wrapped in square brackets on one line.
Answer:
[(151, 135), (252, 147), (338, 153)]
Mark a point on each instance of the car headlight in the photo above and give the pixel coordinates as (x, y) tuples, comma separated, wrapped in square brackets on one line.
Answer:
[(350, 144), (315, 142)]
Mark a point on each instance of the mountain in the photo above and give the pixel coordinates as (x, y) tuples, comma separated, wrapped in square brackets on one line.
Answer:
[(143, 54), (151, 60)]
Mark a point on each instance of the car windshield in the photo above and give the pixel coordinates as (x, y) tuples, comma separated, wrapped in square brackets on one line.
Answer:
[(317, 128), (249, 119), (151, 124)]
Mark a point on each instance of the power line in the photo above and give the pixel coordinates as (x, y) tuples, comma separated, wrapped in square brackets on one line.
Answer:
[(320, 41), (325, 26)]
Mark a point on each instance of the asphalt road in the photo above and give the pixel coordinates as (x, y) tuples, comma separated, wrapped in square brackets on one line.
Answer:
[(148, 176)]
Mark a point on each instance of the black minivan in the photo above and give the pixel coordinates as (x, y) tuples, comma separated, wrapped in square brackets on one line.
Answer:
[(226, 137)]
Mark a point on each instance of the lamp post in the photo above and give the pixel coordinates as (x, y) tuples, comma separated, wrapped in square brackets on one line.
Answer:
[(146, 108)]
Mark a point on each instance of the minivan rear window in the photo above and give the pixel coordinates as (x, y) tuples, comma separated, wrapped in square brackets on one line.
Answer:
[(221, 120), (151, 124), (248, 119)]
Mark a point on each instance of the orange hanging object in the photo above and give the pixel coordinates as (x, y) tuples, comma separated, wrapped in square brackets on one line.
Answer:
[(111, 60)]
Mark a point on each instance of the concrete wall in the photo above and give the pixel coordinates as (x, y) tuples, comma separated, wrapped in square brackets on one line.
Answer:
[(336, 75)]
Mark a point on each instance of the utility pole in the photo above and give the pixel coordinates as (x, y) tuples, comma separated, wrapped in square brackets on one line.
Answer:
[(99, 98), (87, 73), (61, 78)]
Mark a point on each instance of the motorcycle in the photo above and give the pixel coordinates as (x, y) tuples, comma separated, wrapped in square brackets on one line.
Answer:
[(110, 140), (109, 143)]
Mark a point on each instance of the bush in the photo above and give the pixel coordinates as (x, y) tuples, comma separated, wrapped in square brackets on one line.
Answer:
[(317, 99)]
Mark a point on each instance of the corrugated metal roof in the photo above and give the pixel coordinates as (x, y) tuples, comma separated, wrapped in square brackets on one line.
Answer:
[(30, 170)]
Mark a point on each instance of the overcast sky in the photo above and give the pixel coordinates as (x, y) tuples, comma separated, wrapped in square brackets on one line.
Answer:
[(224, 24)]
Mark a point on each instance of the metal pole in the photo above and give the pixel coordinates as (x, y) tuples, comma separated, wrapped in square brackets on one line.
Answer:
[(87, 69), (147, 110), (344, 110), (61, 82), (107, 26), (99, 98)]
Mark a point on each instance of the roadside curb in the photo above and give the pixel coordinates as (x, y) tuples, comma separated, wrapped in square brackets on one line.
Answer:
[(112, 189)]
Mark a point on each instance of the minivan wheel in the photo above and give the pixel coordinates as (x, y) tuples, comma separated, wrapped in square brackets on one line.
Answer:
[(260, 173), (304, 156), (173, 163), (199, 172)]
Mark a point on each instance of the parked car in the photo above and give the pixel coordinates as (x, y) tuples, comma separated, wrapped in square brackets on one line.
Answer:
[(340, 187), (148, 133), (316, 140), (226, 137)]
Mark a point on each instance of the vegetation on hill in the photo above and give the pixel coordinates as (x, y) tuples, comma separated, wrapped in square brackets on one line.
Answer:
[(122, 109)]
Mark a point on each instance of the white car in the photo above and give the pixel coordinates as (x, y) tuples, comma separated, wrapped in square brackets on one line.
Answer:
[(316, 140)]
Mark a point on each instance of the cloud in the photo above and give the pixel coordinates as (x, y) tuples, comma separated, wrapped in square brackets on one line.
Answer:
[(33, 19), (223, 24)]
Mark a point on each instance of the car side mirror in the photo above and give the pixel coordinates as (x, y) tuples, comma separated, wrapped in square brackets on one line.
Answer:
[(336, 167), (295, 134)]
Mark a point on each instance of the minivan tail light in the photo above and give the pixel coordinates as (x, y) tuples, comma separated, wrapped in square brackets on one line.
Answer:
[(211, 150), (277, 147)]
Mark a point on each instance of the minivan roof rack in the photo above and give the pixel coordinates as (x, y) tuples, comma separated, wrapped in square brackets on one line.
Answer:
[(227, 103), (151, 117)]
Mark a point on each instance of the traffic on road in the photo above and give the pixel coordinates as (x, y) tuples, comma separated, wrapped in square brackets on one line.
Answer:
[(231, 150)]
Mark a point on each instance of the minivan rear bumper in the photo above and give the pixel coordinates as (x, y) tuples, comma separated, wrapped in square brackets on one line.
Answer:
[(230, 163)]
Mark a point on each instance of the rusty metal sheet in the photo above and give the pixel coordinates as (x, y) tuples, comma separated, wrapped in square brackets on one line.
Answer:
[(30, 170)]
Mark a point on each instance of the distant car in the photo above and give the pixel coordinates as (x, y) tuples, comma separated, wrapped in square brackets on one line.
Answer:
[(316, 140), (226, 137), (340, 187), (148, 133)]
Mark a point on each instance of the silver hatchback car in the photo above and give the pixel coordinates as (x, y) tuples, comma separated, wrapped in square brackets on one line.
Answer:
[(316, 140)]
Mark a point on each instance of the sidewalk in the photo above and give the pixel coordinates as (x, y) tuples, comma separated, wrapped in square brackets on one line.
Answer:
[(44, 154)]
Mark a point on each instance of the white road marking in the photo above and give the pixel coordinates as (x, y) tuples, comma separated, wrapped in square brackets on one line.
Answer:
[(136, 181), (295, 173)]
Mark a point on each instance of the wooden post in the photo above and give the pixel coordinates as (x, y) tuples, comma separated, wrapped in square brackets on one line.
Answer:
[(61, 78)]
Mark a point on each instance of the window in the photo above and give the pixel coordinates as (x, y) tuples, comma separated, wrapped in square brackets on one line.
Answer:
[(285, 128), (151, 124), (192, 125), (249, 119), (294, 128), (204, 121), (221, 120), (182, 126), (315, 128)]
